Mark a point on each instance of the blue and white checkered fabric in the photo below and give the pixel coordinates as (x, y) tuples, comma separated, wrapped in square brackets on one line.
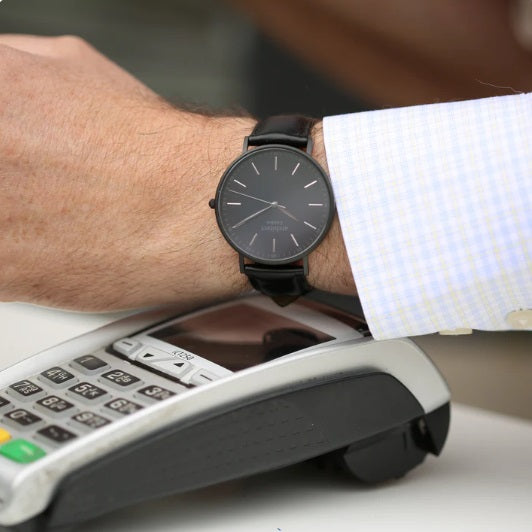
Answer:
[(435, 205)]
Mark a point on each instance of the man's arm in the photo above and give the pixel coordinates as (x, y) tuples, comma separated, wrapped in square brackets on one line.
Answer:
[(104, 191), (104, 188)]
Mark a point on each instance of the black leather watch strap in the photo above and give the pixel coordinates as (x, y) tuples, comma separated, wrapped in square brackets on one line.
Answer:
[(283, 284), (293, 130)]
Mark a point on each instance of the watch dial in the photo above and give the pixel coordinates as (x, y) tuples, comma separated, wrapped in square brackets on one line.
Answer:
[(274, 204)]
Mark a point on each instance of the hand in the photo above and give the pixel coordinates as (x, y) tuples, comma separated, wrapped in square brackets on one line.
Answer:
[(104, 187), (100, 205)]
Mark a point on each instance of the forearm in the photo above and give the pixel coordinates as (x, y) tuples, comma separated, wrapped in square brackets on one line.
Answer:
[(191, 257)]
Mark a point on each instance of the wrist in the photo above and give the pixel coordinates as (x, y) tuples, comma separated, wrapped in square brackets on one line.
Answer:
[(192, 261), (196, 264), (329, 267)]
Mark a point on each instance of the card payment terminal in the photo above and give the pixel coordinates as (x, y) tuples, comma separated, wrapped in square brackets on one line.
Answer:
[(220, 393)]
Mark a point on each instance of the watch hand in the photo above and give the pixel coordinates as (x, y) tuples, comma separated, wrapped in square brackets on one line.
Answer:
[(288, 213), (252, 216), (253, 197)]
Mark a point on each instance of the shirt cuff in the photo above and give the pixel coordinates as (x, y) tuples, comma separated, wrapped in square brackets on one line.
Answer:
[(434, 203)]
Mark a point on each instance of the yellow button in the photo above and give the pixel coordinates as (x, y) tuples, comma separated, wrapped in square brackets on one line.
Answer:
[(4, 435), (520, 319), (456, 332)]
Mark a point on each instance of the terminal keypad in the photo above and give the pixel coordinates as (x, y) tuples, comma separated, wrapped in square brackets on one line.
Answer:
[(64, 402)]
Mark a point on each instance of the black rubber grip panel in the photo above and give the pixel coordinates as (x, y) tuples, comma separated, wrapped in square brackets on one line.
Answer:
[(293, 130), (283, 284), (260, 436)]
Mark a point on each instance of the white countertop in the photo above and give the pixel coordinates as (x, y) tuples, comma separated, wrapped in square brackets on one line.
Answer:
[(482, 481)]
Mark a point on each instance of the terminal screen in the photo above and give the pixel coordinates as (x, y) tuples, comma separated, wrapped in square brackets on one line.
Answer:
[(240, 336)]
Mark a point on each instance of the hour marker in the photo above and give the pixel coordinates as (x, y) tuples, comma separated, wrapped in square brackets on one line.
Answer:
[(315, 204), (310, 225), (233, 203), (275, 164), (273, 245), (241, 184), (311, 183), (253, 239), (294, 239), (295, 169), (253, 164)]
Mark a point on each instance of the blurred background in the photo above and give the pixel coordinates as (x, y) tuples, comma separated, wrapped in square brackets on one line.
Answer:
[(323, 57)]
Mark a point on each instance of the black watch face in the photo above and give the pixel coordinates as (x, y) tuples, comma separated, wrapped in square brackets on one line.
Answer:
[(274, 204)]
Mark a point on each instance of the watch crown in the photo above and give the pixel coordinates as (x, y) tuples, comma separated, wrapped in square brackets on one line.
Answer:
[(211, 203)]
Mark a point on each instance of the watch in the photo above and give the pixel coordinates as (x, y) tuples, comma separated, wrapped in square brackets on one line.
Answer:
[(274, 205)]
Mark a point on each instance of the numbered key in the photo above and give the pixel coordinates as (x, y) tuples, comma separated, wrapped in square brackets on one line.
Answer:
[(55, 406), (57, 377), (26, 391), (22, 419), (87, 393), (88, 421), (121, 407), (55, 435), (89, 365), (120, 380), (154, 393)]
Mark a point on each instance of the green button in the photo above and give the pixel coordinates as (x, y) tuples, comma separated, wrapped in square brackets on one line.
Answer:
[(21, 451)]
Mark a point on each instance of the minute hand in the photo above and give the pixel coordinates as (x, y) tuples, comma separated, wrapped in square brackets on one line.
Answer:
[(251, 216), (253, 197)]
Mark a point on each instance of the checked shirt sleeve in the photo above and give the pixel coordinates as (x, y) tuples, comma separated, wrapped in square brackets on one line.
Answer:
[(435, 206)]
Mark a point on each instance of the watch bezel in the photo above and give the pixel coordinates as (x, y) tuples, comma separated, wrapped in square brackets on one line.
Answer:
[(250, 153)]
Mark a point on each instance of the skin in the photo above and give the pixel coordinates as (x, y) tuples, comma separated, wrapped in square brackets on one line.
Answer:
[(104, 188)]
